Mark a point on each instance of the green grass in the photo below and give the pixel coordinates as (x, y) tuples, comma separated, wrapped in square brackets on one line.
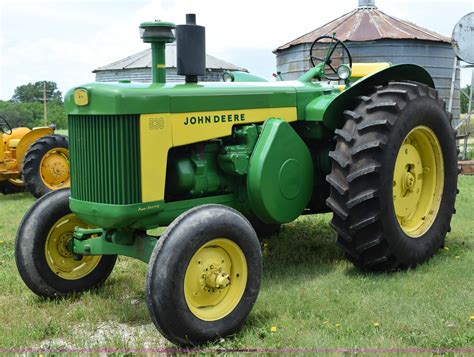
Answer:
[(310, 294)]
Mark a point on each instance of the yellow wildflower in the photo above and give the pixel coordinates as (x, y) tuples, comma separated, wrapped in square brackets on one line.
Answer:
[(273, 329), (376, 324), (471, 317), (446, 248)]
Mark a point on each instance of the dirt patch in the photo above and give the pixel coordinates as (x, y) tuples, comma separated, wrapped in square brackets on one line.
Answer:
[(108, 334)]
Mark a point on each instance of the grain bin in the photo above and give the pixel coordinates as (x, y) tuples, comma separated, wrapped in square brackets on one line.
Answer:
[(374, 36)]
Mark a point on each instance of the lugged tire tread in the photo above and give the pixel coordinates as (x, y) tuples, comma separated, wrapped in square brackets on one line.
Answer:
[(32, 158), (354, 197)]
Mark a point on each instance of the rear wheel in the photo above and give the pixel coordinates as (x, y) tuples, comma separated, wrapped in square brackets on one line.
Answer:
[(42, 250), (46, 165), (204, 275), (10, 186), (394, 177)]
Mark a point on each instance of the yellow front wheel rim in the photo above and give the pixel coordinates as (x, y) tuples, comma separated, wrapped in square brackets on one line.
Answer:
[(54, 168), (418, 181), (215, 279), (58, 254)]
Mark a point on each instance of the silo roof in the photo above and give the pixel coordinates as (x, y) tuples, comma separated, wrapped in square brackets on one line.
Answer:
[(143, 60), (368, 23)]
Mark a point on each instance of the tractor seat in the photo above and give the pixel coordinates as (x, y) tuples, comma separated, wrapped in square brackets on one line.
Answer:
[(360, 70), (13, 143)]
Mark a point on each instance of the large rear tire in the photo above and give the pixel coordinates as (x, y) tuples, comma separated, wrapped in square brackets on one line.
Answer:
[(204, 275), (46, 165), (394, 177), (43, 258)]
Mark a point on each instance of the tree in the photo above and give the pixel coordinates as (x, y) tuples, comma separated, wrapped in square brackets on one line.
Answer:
[(464, 99), (33, 92)]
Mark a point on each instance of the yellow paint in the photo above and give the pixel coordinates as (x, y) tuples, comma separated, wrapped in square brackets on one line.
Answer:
[(184, 134), (418, 181), (81, 97), (360, 70), (16, 134), (161, 132), (217, 259), (58, 255), (13, 143), (155, 141), (28, 139), (54, 168)]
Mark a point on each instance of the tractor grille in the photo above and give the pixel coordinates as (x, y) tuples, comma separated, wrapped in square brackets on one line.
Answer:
[(105, 158)]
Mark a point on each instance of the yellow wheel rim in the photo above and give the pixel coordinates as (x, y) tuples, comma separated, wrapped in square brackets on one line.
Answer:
[(418, 181), (215, 279), (17, 182), (58, 253), (54, 168)]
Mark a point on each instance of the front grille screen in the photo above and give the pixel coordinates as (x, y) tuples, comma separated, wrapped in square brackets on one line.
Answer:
[(105, 158)]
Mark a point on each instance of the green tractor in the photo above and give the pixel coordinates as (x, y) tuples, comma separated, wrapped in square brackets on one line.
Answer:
[(219, 163)]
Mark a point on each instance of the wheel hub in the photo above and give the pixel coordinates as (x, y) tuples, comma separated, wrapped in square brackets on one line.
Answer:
[(215, 279), (59, 256), (409, 181), (55, 168), (63, 244)]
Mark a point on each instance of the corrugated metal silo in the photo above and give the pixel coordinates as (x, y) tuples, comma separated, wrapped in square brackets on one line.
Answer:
[(373, 36)]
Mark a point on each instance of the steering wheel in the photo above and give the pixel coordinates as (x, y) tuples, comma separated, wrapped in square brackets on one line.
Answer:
[(334, 43), (10, 131)]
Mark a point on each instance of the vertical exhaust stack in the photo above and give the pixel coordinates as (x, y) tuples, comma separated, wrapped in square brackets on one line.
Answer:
[(191, 49), (157, 33)]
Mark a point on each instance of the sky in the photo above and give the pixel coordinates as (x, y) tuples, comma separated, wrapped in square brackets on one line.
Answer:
[(65, 40)]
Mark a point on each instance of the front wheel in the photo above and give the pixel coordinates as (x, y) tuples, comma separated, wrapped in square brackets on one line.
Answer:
[(42, 250), (394, 177), (204, 275), (10, 186)]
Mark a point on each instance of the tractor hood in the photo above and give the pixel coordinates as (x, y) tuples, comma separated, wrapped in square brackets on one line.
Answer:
[(137, 98)]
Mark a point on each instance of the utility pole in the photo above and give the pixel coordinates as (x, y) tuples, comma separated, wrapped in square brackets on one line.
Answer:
[(44, 105)]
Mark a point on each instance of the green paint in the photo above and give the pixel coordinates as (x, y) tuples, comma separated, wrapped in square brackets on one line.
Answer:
[(115, 215), (333, 117), (235, 159), (158, 64), (104, 150), (316, 72), (194, 174), (101, 242), (280, 178), (143, 215), (239, 76), (157, 33), (317, 107)]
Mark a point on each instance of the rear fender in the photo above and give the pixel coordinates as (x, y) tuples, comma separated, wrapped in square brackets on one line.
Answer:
[(29, 139), (333, 118)]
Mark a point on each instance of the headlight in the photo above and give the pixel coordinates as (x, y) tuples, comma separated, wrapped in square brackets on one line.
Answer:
[(227, 77), (344, 72)]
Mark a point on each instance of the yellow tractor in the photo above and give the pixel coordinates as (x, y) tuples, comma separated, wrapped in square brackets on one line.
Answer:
[(35, 160)]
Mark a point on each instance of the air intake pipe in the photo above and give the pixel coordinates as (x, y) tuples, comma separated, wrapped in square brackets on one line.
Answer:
[(157, 33), (191, 49)]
